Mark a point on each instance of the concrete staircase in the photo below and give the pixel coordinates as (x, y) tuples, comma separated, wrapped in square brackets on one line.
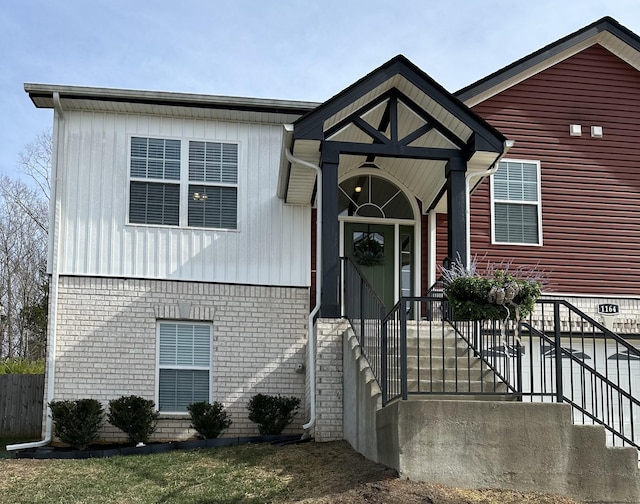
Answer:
[(453, 439), (445, 364)]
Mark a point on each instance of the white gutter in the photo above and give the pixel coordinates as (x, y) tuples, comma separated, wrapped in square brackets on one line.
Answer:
[(58, 146), (311, 362), (467, 194)]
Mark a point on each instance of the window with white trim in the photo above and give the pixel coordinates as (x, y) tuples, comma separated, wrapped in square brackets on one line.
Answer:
[(516, 205), (213, 201), (162, 191), (184, 365), (154, 191)]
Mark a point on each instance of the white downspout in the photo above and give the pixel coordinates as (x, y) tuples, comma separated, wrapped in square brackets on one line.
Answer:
[(311, 360), (58, 146), (467, 194)]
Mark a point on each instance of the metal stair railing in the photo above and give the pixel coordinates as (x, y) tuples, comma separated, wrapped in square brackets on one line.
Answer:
[(364, 310), (581, 362), (557, 354), (430, 353)]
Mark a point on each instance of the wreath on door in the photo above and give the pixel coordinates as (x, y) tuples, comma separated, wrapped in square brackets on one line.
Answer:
[(368, 251)]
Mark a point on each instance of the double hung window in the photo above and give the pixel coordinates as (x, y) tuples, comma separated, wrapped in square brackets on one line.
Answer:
[(184, 365), (213, 185), (183, 183), (516, 203), (154, 196)]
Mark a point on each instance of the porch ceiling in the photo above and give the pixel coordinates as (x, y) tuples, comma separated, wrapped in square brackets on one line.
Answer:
[(398, 118)]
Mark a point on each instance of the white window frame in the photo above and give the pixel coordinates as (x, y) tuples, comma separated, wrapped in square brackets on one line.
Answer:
[(152, 180), (195, 368), (537, 203), (183, 182), (211, 184)]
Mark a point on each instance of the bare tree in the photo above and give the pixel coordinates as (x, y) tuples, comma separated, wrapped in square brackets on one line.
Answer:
[(23, 245), (36, 162)]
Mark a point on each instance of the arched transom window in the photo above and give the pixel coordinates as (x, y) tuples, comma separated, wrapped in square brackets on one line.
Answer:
[(371, 196)]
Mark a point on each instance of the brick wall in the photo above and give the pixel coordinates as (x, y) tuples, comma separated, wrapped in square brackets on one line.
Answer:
[(627, 322), (106, 342), (329, 381)]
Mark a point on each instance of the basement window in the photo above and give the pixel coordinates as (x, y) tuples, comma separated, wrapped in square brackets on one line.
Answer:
[(184, 365)]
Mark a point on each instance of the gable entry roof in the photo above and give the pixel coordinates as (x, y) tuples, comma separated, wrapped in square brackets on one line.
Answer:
[(400, 117)]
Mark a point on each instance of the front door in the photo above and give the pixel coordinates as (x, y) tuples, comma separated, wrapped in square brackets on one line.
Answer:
[(371, 247)]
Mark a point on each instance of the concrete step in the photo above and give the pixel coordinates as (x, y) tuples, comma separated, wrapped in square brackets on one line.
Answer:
[(444, 356), (486, 396), (449, 361), (530, 446), (436, 347), (463, 386), (450, 374)]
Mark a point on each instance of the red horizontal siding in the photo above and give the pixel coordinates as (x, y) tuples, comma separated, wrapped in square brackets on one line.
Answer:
[(424, 228), (590, 186), (441, 240)]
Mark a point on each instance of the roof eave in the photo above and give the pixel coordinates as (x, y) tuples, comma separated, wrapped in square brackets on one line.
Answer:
[(42, 97), (521, 66)]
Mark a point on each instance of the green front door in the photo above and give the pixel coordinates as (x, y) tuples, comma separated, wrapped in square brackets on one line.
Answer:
[(371, 247)]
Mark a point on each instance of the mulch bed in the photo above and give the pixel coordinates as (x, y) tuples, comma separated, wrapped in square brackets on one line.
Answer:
[(112, 450)]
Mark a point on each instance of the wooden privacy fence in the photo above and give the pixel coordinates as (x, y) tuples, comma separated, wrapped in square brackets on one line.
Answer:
[(21, 398)]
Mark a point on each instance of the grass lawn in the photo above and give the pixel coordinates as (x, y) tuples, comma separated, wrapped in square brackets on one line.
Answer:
[(313, 473), (247, 474)]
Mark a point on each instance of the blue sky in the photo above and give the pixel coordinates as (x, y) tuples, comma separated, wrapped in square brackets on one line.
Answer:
[(288, 49)]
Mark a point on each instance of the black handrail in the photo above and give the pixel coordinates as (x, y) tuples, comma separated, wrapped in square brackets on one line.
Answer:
[(364, 310), (431, 354), (558, 354), (598, 386)]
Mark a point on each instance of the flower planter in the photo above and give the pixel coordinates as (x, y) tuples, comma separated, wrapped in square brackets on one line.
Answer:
[(498, 297)]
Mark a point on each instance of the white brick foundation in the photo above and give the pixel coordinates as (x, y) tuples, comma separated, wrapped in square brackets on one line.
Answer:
[(627, 322), (106, 342), (329, 382)]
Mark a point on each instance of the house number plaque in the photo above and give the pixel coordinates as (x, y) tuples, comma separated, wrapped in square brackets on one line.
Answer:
[(608, 309)]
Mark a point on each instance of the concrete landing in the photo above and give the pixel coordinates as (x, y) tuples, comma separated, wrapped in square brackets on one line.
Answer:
[(484, 444), (519, 446)]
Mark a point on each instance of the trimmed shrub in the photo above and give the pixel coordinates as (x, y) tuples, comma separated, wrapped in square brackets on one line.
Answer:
[(135, 416), (77, 422), (272, 413), (210, 420)]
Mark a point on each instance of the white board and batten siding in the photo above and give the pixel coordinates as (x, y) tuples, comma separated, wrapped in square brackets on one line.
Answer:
[(270, 247)]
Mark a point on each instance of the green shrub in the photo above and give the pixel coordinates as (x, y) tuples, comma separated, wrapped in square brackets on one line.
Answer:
[(21, 366), (272, 413), (135, 416), (77, 422), (210, 420)]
